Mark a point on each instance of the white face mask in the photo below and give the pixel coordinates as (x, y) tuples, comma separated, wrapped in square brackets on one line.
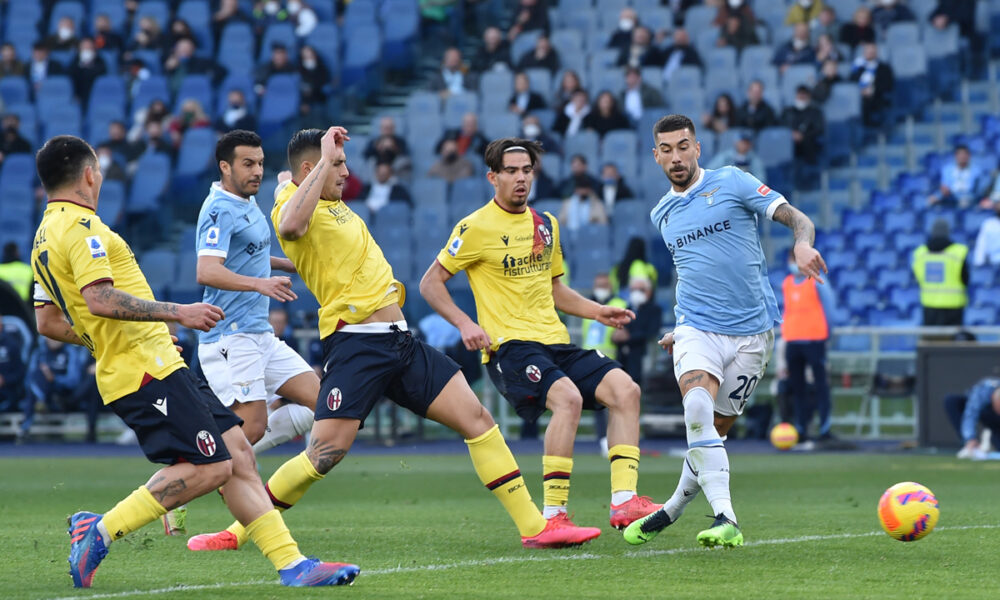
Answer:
[(887, 2), (294, 7), (272, 7), (626, 24), (86, 55), (637, 297), (105, 161), (798, 44), (805, 3), (531, 131), (65, 33), (602, 294), (309, 63), (735, 3), (801, 104)]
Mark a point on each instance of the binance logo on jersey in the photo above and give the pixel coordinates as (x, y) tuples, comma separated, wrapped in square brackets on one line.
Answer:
[(699, 233)]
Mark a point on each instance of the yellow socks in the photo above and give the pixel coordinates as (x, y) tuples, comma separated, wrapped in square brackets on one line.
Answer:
[(498, 471), (138, 509), (555, 475), (271, 535), (286, 487), (624, 468)]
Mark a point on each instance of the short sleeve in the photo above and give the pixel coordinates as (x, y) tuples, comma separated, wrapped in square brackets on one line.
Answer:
[(557, 269), (87, 251), (215, 229), (755, 195), (462, 251)]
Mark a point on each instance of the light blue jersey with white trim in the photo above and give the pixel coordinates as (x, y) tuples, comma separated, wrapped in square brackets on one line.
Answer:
[(236, 230), (711, 230)]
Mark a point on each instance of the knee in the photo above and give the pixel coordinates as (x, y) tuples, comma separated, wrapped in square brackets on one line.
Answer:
[(217, 474), (254, 430), (625, 397), (564, 399)]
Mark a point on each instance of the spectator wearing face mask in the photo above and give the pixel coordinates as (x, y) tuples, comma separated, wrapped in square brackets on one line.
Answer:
[(742, 156), (807, 123), (111, 169), (621, 39), (451, 166), (796, 51), (65, 36), (633, 340), (531, 129), (237, 114), (384, 189), (613, 187)]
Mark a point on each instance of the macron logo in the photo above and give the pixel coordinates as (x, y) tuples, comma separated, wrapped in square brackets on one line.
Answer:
[(161, 405)]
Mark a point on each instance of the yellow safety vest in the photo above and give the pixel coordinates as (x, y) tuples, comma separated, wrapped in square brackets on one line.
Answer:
[(940, 276), (638, 269), (597, 336), (19, 276)]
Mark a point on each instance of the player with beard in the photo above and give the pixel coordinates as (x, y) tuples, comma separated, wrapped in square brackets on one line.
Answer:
[(726, 312)]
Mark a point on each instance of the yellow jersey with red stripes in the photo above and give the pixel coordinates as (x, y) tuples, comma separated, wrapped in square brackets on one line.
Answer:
[(511, 260), (74, 249), (340, 263)]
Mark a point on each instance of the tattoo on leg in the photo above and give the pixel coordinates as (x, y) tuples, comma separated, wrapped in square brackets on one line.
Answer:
[(324, 455), (174, 488), (692, 379)]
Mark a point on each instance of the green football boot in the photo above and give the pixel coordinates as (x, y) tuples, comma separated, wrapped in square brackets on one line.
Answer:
[(646, 528), (723, 532)]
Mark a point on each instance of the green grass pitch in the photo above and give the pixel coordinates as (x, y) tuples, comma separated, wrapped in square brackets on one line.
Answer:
[(422, 526)]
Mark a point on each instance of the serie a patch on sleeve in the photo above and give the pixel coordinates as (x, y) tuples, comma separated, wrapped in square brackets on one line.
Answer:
[(454, 246), (212, 237), (95, 246)]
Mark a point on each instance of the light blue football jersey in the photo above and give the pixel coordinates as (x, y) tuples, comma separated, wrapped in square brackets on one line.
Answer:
[(711, 230), (235, 229)]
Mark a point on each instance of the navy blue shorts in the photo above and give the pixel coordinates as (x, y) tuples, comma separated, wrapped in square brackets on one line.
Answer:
[(178, 418), (524, 371), (360, 368)]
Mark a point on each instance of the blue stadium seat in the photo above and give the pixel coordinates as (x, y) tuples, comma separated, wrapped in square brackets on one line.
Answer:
[(982, 315), (585, 142), (841, 259), (111, 206), (950, 216), (850, 278), (894, 222), (909, 65), (198, 87), (902, 35), (159, 11), (18, 169), (904, 299), (280, 103), (774, 144), (893, 278), (907, 242), (18, 223), (151, 59), (495, 88), (196, 153), (278, 33), (830, 240), (877, 261), (985, 297), (360, 12), (108, 90), (794, 76), (592, 253), (972, 220), (67, 8), (719, 59), (153, 88), (865, 242), (985, 276), (113, 9), (686, 101), (722, 81), (62, 120), (943, 65), (150, 183), (160, 269), (421, 103), (858, 222), (55, 91), (99, 117), (363, 48), (499, 125), (465, 196), (236, 48), (539, 80), (20, 31), (686, 77), (325, 39), (198, 14), (859, 301), (14, 90), (457, 105)]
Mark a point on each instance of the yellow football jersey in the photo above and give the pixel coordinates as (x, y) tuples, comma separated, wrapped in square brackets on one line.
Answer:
[(340, 263), (74, 249), (511, 259)]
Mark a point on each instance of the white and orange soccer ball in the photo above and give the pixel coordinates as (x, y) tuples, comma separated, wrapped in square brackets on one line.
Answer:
[(908, 511), (784, 436)]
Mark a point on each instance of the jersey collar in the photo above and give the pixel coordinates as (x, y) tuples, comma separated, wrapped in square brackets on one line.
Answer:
[(691, 188), (218, 189), (73, 202)]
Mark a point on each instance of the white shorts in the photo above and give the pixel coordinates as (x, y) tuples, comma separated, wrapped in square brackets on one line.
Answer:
[(247, 367), (738, 362)]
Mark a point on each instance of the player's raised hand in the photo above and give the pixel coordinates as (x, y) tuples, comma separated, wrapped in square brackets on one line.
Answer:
[(614, 316), (809, 261), (667, 342), (333, 138), (474, 337), (278, 287), (200, 316)]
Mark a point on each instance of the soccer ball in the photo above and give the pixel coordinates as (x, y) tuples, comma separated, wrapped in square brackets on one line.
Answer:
[(908, 511), (784, 436)]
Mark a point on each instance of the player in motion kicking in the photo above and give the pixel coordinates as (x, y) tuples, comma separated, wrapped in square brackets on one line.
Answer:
[(726, 312), (244, 362), (514, 261), (91, 292), (368, 350)]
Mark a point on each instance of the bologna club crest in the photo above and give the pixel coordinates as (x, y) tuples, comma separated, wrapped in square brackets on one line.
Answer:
[(533, 373), (334, 398), (543, 231), (206, 443)]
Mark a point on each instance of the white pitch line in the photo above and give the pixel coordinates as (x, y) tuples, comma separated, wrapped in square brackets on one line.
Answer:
[(510, 560)]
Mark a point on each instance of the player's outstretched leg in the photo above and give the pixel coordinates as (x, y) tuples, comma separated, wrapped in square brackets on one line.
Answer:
[(647, 528), (329, 442), (620, 394), (87, 548), (456, 407)]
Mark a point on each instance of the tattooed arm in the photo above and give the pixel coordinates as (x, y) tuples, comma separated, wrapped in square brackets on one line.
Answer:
[(104, 300), (52, 324), (808, 259), (295, 215)]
